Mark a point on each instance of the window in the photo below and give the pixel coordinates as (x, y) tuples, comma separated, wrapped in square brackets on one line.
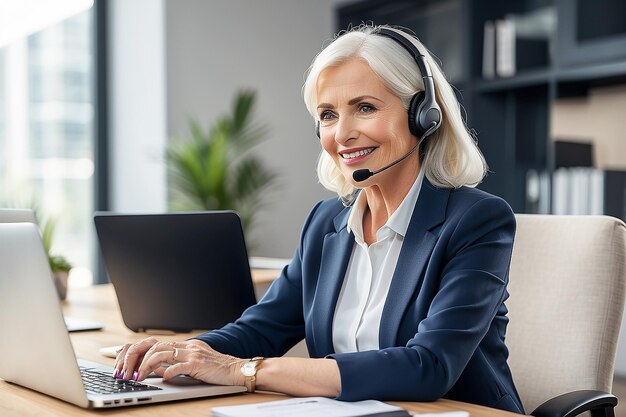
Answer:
[(47, 121)]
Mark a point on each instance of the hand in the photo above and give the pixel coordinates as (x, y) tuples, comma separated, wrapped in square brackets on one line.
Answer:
[(194, 358)]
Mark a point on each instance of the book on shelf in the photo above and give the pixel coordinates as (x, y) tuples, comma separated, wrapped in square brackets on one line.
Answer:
[(489, 50), (615, 193), (578, 191), (530, 53), (538, 192), (570, 153), (589, 191), (516, 43), (505, 47)]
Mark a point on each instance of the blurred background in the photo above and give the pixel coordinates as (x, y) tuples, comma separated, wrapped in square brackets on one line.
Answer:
[(93, 93)]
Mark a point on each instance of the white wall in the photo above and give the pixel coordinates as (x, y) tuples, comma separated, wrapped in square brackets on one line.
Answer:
[(175, 59), (137, 111)]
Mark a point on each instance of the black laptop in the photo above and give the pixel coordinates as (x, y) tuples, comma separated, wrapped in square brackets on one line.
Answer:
[(176, 271)]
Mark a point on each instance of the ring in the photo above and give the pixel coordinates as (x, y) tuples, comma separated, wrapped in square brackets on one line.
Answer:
[(175, 356)]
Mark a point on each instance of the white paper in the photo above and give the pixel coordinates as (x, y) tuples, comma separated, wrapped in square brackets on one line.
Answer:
[(305, 407), (75, 324), (448, 414)]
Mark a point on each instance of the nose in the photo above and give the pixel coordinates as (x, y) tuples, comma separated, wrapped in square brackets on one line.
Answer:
[(345, 130)]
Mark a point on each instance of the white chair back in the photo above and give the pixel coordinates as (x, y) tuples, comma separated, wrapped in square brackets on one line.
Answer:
[(567, 284)]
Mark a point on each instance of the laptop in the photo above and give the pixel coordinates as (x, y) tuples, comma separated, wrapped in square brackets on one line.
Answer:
[(30, 309), (10, 215), (176, 271), (74, 324)]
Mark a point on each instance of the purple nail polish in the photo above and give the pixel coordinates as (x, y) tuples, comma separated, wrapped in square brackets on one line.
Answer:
[(135, 375), (123, 375), (115, 373)]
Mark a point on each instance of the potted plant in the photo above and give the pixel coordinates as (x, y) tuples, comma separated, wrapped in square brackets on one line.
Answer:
[(214, 169), (59, 265)]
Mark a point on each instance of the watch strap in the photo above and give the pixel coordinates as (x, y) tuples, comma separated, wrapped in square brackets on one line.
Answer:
[(250, 381)]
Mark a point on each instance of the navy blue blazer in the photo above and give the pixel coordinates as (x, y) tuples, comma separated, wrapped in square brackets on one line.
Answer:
[(443, 324)]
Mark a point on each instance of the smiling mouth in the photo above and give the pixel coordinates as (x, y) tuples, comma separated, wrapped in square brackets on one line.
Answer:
[(356, 154)]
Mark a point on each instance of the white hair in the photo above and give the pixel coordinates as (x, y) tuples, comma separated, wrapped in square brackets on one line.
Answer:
[(450, 157)]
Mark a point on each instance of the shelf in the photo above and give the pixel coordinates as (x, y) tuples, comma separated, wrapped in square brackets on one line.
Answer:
[(600, 74), (529, 78), (609, 71)]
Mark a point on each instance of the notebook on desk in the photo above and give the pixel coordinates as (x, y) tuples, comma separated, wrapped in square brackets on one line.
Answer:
[(176, 271), (35, 347)]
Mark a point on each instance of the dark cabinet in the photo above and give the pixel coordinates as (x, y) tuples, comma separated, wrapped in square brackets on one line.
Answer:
[(591, 31), (553, 48)]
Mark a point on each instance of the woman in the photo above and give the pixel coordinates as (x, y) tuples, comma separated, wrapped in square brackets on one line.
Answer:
[(399, 291)]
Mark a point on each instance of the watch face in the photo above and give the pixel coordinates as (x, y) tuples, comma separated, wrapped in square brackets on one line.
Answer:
[(248, 369)]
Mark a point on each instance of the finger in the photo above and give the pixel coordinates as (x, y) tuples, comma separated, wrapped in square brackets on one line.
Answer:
[(118, 352), (160, 346), (134, 356), (119, 360), (184, 368), (160, 370), (156, 348), (164, 346), (154, 362)]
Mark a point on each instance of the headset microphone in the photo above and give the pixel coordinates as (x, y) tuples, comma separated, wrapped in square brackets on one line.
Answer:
[(363, 174)]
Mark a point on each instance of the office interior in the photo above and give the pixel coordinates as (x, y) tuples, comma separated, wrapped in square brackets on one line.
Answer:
[(547, 104)]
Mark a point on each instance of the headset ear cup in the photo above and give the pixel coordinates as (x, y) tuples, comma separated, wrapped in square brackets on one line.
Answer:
[(414, 125)]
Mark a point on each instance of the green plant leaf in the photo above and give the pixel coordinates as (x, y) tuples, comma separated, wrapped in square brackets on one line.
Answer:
[(47, 233), (213, 169), (59, 263), (242, 108), (196, 131)]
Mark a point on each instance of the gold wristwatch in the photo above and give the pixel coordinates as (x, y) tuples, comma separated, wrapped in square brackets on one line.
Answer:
[(248, 369)]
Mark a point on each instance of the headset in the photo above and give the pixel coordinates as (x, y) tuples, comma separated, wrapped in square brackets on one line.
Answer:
[(424, 112)]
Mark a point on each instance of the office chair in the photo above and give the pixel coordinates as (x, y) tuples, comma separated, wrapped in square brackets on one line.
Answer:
[(567, 285)]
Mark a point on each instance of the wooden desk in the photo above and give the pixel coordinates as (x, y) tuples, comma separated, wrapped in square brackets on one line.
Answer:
[(264, 276), (99, 303)]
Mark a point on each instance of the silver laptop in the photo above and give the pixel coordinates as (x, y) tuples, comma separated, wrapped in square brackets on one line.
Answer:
[(17, 216), (74, 324), (29, 307)]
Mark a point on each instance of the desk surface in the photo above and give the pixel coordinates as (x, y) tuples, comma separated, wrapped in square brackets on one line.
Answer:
[(99, 303)]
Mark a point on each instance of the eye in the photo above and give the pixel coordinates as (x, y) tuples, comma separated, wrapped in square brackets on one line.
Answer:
[(327, 115), (366, 108)]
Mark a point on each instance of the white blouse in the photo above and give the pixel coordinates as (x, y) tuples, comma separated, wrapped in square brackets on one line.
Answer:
[(365, 286)]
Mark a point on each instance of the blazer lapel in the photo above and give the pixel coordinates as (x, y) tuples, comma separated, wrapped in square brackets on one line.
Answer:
[(336, 253), (414, 255)]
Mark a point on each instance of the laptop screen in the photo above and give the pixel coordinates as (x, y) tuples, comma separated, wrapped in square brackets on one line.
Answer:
[(177, 271)]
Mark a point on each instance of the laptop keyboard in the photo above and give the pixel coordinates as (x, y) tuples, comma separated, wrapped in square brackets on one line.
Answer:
[(98, 382)]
